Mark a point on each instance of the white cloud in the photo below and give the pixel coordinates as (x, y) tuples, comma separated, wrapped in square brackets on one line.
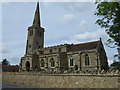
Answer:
[(14, 60), (82, 25), (66, 18), (48, 0), (13, 43), (110, 62), (46, 4), (78, 7), (88, 36), (5, 50)]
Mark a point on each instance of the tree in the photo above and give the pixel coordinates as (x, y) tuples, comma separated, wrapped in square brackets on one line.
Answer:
[(5, 62), (115, 65), (109, 18)]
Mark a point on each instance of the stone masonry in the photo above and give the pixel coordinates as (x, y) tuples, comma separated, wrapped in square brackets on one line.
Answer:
[(89, 56)]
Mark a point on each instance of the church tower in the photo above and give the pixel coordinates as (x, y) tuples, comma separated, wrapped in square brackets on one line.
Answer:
[(35, 42), (35, 39)]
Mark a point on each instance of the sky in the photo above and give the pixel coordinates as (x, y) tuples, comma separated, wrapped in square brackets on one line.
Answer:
[(64, 22)]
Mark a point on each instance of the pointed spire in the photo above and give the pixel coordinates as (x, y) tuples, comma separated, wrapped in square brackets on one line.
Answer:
[(36, 21)]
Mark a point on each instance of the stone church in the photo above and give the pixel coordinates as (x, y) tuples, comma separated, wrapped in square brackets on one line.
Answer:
[(72, 57)]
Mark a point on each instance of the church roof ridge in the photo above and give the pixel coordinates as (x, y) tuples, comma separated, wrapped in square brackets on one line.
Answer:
[(57, 45), (84, 46), (87, 42), (92, 42)]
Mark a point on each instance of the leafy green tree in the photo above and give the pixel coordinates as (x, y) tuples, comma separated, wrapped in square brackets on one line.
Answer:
[(115, 65), (5, 62), (109, 18)]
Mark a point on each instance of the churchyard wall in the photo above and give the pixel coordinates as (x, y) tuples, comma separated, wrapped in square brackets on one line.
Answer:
[(65, 80)]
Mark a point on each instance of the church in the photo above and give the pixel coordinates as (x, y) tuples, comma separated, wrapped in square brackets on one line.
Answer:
[(89, 56)]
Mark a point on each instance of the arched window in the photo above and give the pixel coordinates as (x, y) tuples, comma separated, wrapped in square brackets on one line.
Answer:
[(87, 62), (42, 63), (71, 61), (52, 62)]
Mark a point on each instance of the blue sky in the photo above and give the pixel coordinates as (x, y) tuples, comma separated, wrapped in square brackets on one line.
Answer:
[(64, 22)]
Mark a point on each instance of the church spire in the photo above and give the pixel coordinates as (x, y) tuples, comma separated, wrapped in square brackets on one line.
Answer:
[(36, 21)]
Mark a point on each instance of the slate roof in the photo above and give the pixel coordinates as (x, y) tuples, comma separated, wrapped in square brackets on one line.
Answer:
[(83, 46)]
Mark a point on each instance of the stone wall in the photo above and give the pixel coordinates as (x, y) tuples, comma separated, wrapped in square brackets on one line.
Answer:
[(55, 49), (79, 60), (63, 80)]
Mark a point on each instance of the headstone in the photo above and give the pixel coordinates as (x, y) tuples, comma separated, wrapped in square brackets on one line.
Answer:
[(112, 72), (116, 72), (98, 72), (102, 72)]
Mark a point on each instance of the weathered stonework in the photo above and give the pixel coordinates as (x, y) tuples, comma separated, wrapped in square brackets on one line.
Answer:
[(89, 56), (64, 80)]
